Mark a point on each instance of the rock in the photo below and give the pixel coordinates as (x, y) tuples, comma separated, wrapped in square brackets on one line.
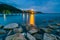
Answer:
[(53, 26), (38, 36), (49, 37), (32, 31), (30, 37), (18, 30), (1, 26), (46, 30), (11, 26), (58, 37), (17, 36), (58, 24), (2, 31), (58, 30)]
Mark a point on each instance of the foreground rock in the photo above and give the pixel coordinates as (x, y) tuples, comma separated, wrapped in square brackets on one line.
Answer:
[(32, 31), (18, 30), (17, 36), (38, 36), (11, 26), (30, 37), (49, 37)]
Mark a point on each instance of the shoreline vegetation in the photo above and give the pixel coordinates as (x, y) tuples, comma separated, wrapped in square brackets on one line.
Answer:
[(5, 8)]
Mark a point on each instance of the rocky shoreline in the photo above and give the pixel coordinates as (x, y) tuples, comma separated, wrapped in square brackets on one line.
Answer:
[(14, 31)]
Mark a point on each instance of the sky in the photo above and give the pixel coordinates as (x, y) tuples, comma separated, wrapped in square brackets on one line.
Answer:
[(46, 6)]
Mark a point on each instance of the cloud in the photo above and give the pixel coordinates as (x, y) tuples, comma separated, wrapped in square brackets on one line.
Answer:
[(46, 6), (49, 7)]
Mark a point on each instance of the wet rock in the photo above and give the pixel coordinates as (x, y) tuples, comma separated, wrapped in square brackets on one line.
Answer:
[(30, 37), (38, 36), (49, 37), (53, 26), (2, 31), (17, 36), (11, 26), (32, 31), (46, 30), (58, 24), (58, 30), (18, 30), (58, 37)]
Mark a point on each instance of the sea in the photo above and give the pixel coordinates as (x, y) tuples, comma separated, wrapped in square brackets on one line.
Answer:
[(41, 19)]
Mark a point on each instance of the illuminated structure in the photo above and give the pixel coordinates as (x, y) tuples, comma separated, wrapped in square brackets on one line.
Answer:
[(32, 18)]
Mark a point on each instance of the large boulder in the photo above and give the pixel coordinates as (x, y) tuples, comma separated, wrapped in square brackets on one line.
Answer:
[(17, 36), (30, 37), (38, 36), (49, 37), (18, 30), (32, 31), (11, 26)]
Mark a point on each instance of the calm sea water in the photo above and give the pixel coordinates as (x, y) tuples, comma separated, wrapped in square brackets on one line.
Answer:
[(40, 19)]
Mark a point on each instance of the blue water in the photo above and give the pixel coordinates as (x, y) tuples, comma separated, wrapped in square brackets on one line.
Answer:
[(39, 19)]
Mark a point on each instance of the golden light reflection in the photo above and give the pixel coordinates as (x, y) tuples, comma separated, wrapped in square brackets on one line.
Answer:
[(32, 18)]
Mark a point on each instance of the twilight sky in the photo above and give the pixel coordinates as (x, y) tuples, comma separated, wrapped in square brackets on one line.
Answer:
[(46, 6)]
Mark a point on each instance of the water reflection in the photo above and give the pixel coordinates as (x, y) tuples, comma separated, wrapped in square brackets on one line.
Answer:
[(23, 17), (27, 18), (32, 22), (4, 15)]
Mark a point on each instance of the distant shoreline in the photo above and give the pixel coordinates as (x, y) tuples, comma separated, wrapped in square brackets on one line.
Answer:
[(9, 14)]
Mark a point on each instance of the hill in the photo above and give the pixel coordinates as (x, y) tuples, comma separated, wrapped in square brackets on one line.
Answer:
[(5, 7)]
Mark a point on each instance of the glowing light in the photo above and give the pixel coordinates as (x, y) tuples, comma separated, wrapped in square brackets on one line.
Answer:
[(32, 18), (32, 9)]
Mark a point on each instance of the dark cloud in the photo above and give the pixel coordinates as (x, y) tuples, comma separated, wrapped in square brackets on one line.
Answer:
[(39, 5)]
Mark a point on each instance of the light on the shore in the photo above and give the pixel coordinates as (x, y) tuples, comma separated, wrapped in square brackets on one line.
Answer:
[(32, 10)]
